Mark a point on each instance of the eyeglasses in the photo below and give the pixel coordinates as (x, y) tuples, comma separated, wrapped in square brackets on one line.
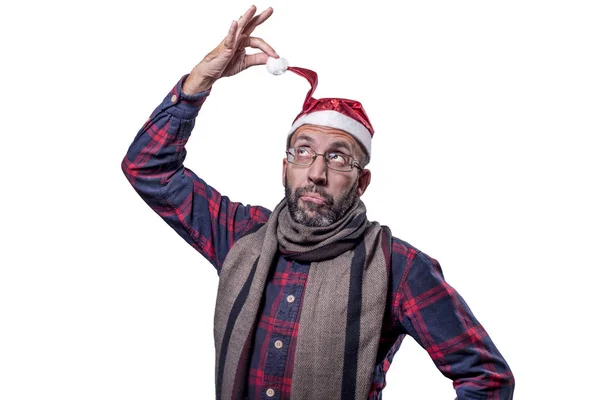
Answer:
[(305, 157)]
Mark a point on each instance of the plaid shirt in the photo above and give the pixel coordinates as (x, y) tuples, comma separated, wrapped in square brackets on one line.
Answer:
[(420, 303)]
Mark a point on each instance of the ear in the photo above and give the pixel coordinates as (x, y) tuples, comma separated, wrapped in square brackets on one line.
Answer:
[(363, 182), (284, 171)]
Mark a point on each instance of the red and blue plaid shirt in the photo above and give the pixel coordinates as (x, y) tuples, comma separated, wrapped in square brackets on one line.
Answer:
[(420, 303)]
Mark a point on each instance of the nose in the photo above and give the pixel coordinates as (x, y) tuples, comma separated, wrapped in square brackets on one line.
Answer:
[(317, 172)]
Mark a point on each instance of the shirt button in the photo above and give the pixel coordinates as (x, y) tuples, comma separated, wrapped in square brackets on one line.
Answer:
[(174, 99), (270, 392), (278, 344), (291, 298)]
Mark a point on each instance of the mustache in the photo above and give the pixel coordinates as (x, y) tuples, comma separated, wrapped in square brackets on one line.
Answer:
[(314, 189)]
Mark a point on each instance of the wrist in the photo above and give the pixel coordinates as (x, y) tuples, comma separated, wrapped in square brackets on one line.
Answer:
[(195, 85)]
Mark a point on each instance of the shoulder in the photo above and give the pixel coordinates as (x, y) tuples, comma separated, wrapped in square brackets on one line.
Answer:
[(403, 253), (407, 259), (249, 219)]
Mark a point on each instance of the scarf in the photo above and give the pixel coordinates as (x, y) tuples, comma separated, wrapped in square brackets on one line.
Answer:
[(342, 307)]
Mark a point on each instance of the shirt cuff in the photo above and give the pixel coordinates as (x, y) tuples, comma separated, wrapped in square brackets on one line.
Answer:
[(183, 105)]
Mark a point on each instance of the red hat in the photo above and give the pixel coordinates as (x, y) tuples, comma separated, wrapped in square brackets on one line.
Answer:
[(344, 114)]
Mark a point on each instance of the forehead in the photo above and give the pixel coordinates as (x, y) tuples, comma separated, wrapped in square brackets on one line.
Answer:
[(323, 135)]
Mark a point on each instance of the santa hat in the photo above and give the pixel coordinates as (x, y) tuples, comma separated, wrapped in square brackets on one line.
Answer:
[(343, 114)]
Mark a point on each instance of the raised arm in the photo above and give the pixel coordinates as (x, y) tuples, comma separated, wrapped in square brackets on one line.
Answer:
[(208, 221)]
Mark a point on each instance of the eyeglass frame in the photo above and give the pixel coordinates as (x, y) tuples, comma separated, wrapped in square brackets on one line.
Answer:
[(353, 163)]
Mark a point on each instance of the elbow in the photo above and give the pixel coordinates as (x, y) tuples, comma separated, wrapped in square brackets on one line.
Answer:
[(502, 382), (497, 384), (503, 385), (510, 384), (129, 169), (506, 380), (126, 167)]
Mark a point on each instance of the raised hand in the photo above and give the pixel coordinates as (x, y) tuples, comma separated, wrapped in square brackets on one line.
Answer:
[(229, 57)]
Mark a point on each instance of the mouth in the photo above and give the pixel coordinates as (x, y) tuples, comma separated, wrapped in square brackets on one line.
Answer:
[(313, 198)]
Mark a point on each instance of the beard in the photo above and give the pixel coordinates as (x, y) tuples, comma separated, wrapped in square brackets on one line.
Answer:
[(318, 215)]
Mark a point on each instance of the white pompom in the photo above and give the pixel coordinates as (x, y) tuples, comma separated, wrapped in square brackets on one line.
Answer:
[(277, 66)]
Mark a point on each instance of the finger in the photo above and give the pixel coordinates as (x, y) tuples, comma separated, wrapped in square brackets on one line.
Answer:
[(257, 20), (258, 43), (229, 41), (244, 19), (255, 59)]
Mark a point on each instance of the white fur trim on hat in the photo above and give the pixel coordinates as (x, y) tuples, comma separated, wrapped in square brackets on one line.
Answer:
[(337, 120)]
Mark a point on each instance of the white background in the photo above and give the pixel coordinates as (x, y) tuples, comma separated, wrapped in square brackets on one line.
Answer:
[(485, 157)]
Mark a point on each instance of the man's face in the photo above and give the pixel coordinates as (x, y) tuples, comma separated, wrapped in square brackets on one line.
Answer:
[(315, 194)]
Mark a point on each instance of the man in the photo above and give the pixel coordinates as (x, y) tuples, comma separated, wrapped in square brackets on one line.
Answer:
[(314, 300)]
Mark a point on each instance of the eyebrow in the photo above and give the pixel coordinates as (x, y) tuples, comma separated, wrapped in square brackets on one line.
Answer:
[(340, 144), (304, 137)]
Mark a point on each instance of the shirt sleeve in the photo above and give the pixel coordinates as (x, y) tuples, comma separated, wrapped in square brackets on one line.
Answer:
[(208, 221), (438, 318)]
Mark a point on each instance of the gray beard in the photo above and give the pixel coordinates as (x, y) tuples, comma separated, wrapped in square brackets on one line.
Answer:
[(323, 215)]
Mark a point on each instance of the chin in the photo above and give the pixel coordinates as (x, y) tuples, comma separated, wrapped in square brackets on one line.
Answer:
[(311, 218)]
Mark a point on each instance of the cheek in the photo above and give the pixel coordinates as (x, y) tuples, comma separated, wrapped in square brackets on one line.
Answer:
[(342, 184), (295, 177)]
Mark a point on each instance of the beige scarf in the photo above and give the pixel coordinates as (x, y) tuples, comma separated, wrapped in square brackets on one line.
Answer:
[(342, 307)]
